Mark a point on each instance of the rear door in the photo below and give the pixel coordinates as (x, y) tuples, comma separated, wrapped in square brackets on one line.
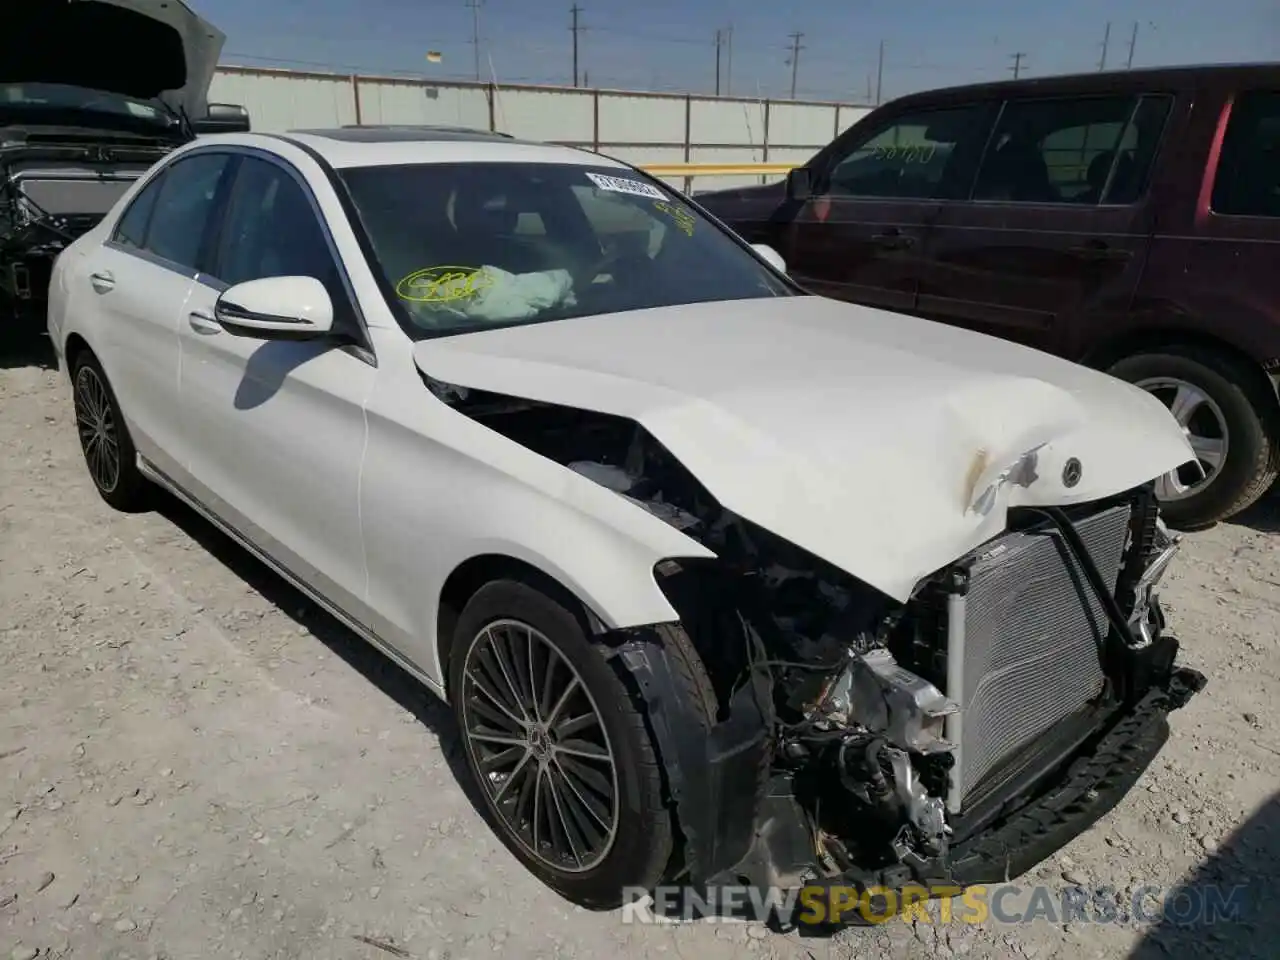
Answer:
[(877, 190), (138, 283), (1057, 225)]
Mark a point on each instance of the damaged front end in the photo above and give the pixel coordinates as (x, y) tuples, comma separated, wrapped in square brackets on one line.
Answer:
[(957, 738), (53, 189)]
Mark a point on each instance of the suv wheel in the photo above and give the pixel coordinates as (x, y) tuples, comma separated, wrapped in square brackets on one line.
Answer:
[(104, 438), (1228, 419), (568, 773)]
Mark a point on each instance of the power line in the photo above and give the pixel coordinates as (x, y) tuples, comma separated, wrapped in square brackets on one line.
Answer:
[(728, 66), (1106, 42), (719, 42), (1017, 64), (795, 60), (575, 29), (1133, 42), (880, 73), (475, 31)]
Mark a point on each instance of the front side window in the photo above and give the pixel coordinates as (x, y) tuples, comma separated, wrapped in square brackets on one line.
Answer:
[(469, 246), (1247, 182), (185, 202), (910, 159), (271, 229), (1081, 151)]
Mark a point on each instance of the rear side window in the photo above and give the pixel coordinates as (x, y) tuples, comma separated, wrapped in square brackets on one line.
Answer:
[(1247, 182), (182, 210), (1081, 151), (131, 230)]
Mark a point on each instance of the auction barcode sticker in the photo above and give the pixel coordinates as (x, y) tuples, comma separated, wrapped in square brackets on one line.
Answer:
[(624, 185)]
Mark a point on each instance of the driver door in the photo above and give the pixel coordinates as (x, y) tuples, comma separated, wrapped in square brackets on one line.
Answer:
[(861, 236), (280, 424)]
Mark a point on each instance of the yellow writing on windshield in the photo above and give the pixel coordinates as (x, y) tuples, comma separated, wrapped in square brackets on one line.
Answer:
[(682, 217), (443, 284)]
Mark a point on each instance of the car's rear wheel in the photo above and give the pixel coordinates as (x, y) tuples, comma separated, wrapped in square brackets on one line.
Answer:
[(559, 748), (104, 437), (1230, 422)]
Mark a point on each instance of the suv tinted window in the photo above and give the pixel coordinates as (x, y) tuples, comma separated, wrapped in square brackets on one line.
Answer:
[(909, 158), (181, 216), (131, 229), (1058, 151), (1248, 179)]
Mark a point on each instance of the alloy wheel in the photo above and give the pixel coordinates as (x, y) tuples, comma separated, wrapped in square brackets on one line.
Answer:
[(96, 424), (1205, 427), (538, 741)]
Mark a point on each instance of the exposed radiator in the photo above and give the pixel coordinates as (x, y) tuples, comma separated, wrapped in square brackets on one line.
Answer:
[(1032, 639)]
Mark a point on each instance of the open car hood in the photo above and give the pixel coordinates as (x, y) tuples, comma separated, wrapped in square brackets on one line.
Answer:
[(884, 444), (138, 48)]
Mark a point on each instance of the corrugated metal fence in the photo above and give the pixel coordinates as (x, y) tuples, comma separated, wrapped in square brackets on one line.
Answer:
[(635, 126)]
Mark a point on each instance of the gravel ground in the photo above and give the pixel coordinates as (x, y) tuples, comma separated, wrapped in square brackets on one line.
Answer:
[(196, 763)]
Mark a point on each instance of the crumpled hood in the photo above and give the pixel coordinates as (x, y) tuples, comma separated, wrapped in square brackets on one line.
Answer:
[(138, 48), (884, 444)]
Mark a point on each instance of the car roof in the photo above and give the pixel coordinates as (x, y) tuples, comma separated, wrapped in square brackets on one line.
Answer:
[(1103, 81), (391, 145)]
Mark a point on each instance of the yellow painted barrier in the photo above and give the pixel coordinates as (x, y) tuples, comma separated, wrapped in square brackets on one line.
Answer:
[(717, 169)]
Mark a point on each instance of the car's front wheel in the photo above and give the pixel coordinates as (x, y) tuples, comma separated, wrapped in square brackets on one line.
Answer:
[(1229, 421), (558, 746), (104, 437)]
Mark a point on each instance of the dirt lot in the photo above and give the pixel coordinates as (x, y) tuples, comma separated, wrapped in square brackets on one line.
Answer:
[(194, 763)]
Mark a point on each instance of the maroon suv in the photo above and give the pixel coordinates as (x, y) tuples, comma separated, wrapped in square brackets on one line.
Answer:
[(1130, 221)]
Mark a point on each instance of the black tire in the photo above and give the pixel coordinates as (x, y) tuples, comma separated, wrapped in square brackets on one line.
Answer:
[(644, 834), (122, 485), (1249, 411)]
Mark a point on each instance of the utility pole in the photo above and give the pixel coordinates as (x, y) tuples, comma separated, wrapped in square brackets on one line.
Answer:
[(475, 31), (1106, 42), (880, 73), (795, 60), (719, 40), (1133, 42), (1017, 64), (574, 29)]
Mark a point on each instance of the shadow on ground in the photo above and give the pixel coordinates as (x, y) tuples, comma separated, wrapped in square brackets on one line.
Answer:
[(379, 670), (1263, 516), (1223, 909), (26, 349)]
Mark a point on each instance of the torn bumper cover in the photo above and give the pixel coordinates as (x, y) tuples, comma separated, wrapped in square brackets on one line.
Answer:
[(742, 825)]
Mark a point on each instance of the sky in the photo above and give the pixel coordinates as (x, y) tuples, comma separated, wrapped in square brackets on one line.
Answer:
[(670, 45)]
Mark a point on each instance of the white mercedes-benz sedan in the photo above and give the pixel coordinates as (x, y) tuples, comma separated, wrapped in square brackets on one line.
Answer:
[(723, 581)]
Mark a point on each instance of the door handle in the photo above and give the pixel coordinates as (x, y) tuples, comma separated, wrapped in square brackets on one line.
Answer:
[(1100, 252), (203, 322), (102, 281), (893, 240)]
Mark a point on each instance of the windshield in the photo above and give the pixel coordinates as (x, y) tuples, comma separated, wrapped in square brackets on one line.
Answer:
[(57, 96), (467, 246)]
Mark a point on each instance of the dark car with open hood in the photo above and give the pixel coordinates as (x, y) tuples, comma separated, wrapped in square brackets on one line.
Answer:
[(1126, 220), (92, 93)]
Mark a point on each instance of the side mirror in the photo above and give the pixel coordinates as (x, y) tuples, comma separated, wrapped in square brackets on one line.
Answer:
[(800, 184), (770, 256), (223, 118), (276, 308)]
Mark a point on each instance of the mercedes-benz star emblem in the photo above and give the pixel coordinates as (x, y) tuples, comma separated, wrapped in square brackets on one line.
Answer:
[(1071, 472)]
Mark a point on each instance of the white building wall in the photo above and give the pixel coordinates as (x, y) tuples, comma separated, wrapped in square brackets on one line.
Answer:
[(641, 128)]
